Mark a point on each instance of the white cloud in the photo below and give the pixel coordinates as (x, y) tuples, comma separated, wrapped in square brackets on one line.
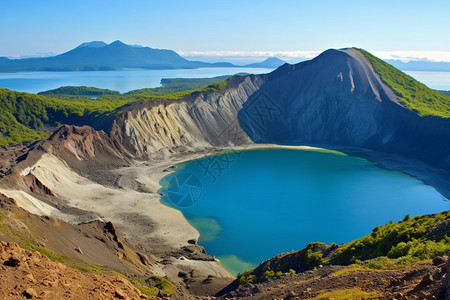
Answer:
[(405, 56), (251, 54)]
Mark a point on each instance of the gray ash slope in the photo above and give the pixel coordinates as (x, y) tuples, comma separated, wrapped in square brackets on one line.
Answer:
[(337, 99)]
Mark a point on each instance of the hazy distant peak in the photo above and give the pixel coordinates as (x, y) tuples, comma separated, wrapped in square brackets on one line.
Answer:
[(274, 59), (271, 62), (93, 44), (118, 43)]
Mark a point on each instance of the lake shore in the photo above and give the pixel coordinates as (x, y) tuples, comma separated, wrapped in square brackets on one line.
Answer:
[(161, 169), (149, 175)]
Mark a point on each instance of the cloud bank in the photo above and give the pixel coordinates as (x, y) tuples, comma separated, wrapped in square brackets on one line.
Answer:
[(405, 56)]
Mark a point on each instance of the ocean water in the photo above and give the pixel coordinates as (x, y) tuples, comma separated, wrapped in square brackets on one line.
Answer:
[(127, 80), (434, 80), (252, 205), (122, 81)]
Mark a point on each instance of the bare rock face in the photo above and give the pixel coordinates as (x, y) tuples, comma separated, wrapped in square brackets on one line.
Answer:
[(155, 130), (338, 100), (334, 100), (30, 293), (36, 277), (447, 280), (83, 145)]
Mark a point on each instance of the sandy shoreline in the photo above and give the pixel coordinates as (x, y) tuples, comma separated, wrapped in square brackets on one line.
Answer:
[(132, 203)]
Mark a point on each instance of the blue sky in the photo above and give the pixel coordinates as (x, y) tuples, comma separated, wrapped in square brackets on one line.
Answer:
[(30, 26)]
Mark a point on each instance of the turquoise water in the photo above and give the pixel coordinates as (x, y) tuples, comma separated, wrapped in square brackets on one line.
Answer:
[(250, 206), (122, 81)]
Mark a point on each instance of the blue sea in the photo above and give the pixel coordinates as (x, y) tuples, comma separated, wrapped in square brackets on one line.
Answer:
[(122, 81), (252, 205), (127, 80)]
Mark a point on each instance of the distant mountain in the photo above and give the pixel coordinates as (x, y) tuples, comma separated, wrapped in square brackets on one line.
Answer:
[(271, 62), (430, 66), (94, 44), (98, 55)]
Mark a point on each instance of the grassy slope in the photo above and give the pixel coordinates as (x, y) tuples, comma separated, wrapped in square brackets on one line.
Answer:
[(421, 237), (412, 94), (394, 244)]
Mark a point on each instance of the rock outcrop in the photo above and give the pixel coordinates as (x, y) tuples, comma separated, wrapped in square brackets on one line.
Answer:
[(335, 100), (32, 275), (157, 129)]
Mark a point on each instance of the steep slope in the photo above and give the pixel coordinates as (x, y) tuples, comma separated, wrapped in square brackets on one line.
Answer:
[(201, 121), (334, 100), (411, 93), (337, 99)]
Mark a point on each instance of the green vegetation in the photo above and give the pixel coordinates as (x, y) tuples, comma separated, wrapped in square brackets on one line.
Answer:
[(421, 237), (151, 286), (269, 274), (79, 91), (174, 85), (249, 277), (246, 277), (411, 93), (348, 294), (23, 115), (29, 244), (209, 279), (313, 255), (170, 93), (379, 264), (447, 93)]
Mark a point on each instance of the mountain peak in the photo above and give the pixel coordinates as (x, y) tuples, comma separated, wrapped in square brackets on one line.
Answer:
[(271, 62), (93, 44), (118, 43), (274, 59)]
